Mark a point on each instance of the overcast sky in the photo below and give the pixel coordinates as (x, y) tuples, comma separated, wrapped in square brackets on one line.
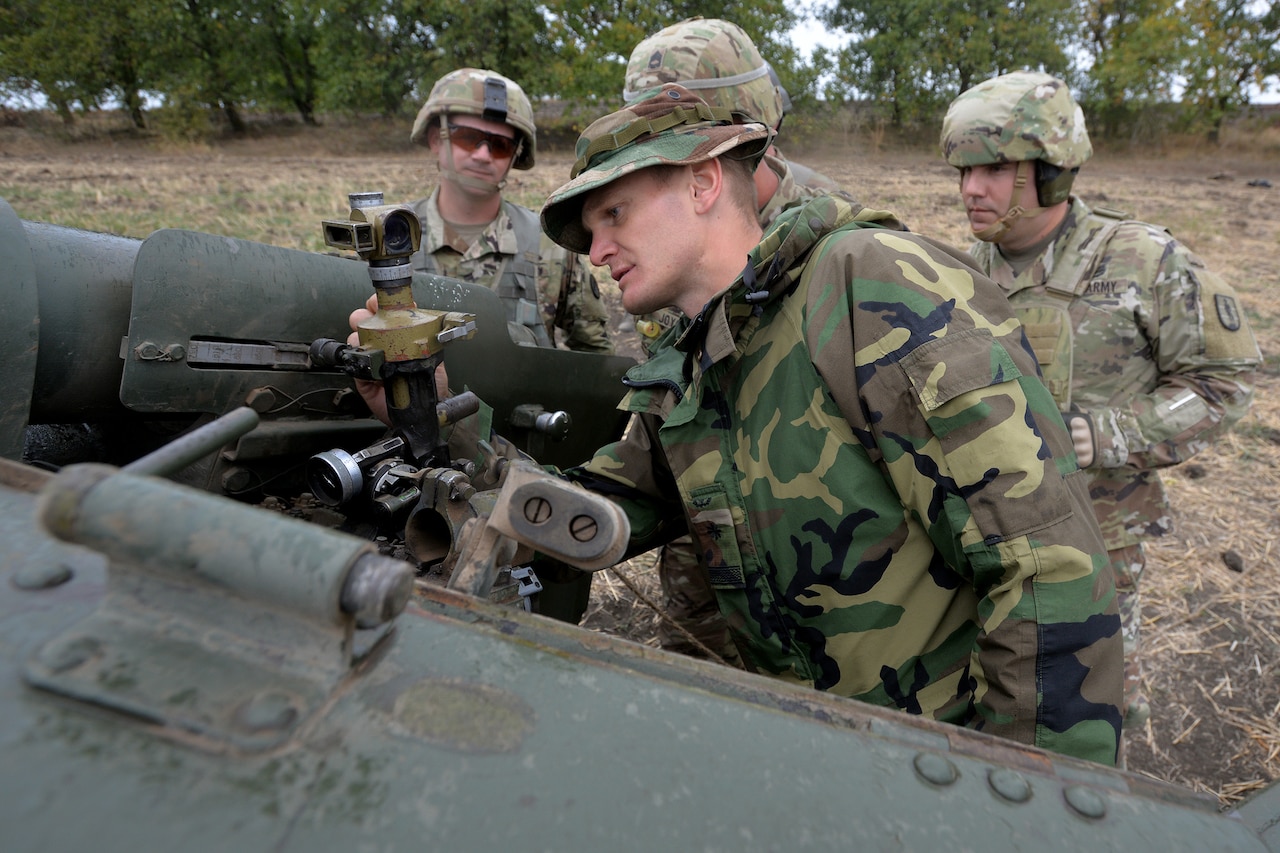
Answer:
[(810, 34)]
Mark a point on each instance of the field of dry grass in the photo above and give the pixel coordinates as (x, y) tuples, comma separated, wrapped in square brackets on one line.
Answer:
[(1212, 590)]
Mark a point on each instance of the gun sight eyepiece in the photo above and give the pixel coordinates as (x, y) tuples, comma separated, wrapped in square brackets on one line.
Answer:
[(375, 232)]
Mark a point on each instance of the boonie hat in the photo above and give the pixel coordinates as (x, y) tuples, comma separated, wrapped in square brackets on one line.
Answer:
[(668, 127)]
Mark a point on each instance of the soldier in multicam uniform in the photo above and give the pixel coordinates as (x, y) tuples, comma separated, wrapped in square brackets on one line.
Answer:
[(718, 60), (852, 429), (479, 125), (1147, 352)]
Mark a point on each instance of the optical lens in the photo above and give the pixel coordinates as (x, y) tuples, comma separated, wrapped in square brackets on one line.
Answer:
[(397, 236)]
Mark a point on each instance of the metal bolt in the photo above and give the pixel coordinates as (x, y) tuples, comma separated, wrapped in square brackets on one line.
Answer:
[(42, 575), (62, 655), (1009, 784), (537, 510), (377, 589), (236, 480), (1086, 801), (584, 528), (935, 769), (266, 711)]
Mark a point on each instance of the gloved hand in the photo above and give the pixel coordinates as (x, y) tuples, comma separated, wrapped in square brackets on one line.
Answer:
[(1080, 425)]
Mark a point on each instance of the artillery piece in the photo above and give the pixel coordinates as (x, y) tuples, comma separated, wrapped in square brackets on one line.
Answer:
[(180, 667)]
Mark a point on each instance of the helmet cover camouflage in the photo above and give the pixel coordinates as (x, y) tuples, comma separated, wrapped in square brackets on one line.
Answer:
[(712, 57), (488, 95), (671, 127), (1014, 117)]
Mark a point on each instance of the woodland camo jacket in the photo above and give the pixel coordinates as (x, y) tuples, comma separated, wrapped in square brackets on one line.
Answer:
[(880, 487)]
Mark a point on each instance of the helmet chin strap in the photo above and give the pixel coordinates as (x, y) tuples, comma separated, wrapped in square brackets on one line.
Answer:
[(449, 171), (998, 230)]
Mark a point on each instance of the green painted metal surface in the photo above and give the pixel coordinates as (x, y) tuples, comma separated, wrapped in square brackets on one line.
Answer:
[(469, 726), (190, 287), (19, 330)]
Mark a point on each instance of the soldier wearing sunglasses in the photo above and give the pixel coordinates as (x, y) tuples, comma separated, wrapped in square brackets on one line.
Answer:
[(479, 125)]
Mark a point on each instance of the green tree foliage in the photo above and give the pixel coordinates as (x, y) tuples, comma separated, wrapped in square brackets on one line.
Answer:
[(507, 36), (1137, 48), (207, 58), (376, 53), (591, 41), (1234, 48), (289, 31), (384, 55), (78, 56), (912, 56), (1128, 58)]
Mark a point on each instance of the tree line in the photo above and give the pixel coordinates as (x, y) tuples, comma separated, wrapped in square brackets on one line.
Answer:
[(1195, 61)]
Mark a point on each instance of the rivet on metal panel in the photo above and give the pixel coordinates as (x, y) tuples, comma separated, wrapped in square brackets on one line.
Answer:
[(267, 711), (1009, 784), (42, 575), (935, 769), (60, 656), (1086, 801)]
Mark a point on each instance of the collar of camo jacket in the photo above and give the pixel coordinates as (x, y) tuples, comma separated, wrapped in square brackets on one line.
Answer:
[(772, 269)]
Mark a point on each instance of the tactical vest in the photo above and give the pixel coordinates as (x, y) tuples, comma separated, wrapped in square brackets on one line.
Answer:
[(516, 281), (1045, 311)]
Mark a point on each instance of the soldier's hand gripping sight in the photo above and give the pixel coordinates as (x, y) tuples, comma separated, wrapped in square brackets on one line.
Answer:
[(399, 345)]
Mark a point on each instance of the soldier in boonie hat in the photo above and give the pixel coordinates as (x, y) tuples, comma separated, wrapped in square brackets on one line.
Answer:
[(718, 60), (669, 127), (845, 421)]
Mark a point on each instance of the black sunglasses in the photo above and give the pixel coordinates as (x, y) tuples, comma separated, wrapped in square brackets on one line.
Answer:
[(469, 139)]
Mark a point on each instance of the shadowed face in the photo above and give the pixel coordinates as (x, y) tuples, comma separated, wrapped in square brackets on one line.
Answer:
[(643, 228), (472, 152), (988, 192)]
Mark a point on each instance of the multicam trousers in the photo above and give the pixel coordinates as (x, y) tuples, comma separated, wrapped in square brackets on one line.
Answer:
[(1128, 564)]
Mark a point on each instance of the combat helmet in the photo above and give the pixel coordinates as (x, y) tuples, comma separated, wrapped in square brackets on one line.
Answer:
[(487, 94), (712, 57), (1016, 117), (1026, 118)]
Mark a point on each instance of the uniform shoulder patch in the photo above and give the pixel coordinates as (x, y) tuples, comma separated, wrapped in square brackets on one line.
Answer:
[(1228, 311)]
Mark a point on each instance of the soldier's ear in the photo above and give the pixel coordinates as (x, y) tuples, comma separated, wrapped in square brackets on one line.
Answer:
[(433, 138), (706, 183)]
